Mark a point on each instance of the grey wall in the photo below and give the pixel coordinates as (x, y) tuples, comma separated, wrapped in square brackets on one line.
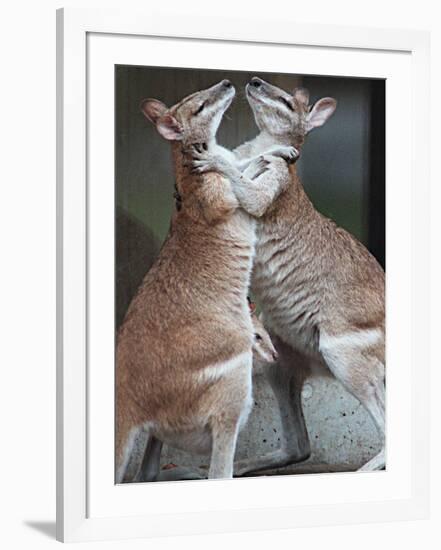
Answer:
[(343, 163), (335, 160)]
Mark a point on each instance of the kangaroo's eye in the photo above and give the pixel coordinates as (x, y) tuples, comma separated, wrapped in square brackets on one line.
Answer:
[(201, 108), (287, 103), (257, 337)]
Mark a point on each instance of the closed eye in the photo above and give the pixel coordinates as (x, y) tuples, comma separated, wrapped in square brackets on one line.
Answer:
[(200, 108), (287, 103)]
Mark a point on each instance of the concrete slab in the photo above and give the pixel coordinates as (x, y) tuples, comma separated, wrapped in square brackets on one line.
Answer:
[(342, 434)]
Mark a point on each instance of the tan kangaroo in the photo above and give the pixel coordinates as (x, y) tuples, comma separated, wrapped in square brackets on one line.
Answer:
[(321, 291), (183, 358)]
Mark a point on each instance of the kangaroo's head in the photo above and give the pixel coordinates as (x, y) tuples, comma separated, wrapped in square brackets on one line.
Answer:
[(263, 348), (195, 119), (286, 117)]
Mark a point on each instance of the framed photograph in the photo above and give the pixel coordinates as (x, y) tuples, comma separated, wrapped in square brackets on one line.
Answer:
[(242, 240)]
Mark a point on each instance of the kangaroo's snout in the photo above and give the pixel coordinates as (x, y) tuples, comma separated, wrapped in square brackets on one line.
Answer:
[(222, 90), (256, 82), (257, 89)]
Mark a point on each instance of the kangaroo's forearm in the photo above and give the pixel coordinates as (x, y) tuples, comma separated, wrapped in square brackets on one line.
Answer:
[(244, 163), (255, 181), (255, 196), (256, 193)]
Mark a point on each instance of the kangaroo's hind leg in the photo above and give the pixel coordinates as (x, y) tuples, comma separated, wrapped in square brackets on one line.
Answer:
[(229, 404), (126, 434), (286, 379), (150, 466), (376, 407), (358, 363), (222, 454)]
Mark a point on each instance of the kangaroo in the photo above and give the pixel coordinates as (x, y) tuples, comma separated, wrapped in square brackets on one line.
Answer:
[(321, 291), (183, 357)]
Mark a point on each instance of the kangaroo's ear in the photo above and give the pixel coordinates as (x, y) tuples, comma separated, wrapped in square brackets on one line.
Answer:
[(320, 113), (169, 128), (153, 109), (166, 124), (251, 305)]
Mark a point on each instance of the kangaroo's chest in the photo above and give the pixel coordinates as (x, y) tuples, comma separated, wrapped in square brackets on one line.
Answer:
[(287, 290)]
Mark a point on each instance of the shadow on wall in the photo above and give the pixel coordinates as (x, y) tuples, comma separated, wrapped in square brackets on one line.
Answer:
[(136, 250)]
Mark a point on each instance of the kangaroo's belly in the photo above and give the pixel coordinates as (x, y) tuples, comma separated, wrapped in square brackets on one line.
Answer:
[(226, 396), (289, 298)]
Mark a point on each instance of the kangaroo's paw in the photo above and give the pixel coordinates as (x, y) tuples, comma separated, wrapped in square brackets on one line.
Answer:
[(210, 163), (257, 167), (196, 150), (202, 166), (287, 153)]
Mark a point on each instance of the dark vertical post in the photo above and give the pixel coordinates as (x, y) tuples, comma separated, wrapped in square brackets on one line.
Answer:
[(377, 172)]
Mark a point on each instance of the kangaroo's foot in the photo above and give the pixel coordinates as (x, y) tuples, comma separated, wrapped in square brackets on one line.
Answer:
[(376, 463), (181, 473), (275, 459)]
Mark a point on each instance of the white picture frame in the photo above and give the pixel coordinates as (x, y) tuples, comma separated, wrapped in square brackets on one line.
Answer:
[(89, 505)]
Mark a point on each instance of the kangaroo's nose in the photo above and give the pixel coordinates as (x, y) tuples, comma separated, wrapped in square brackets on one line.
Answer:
[(226, 83), (256, 82), (275, 356)]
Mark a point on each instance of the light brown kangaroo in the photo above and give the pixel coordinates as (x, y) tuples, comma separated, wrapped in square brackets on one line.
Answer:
[(183, 357), (321, 291)]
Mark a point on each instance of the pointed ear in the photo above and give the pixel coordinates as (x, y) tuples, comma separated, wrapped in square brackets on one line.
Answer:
[(320, 113), (153, 109), (251, 305), (166, 124), (169, 128), (301, 95)]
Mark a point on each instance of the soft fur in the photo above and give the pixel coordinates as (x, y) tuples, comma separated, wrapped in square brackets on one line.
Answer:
[(190, 312), (322, 292)]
